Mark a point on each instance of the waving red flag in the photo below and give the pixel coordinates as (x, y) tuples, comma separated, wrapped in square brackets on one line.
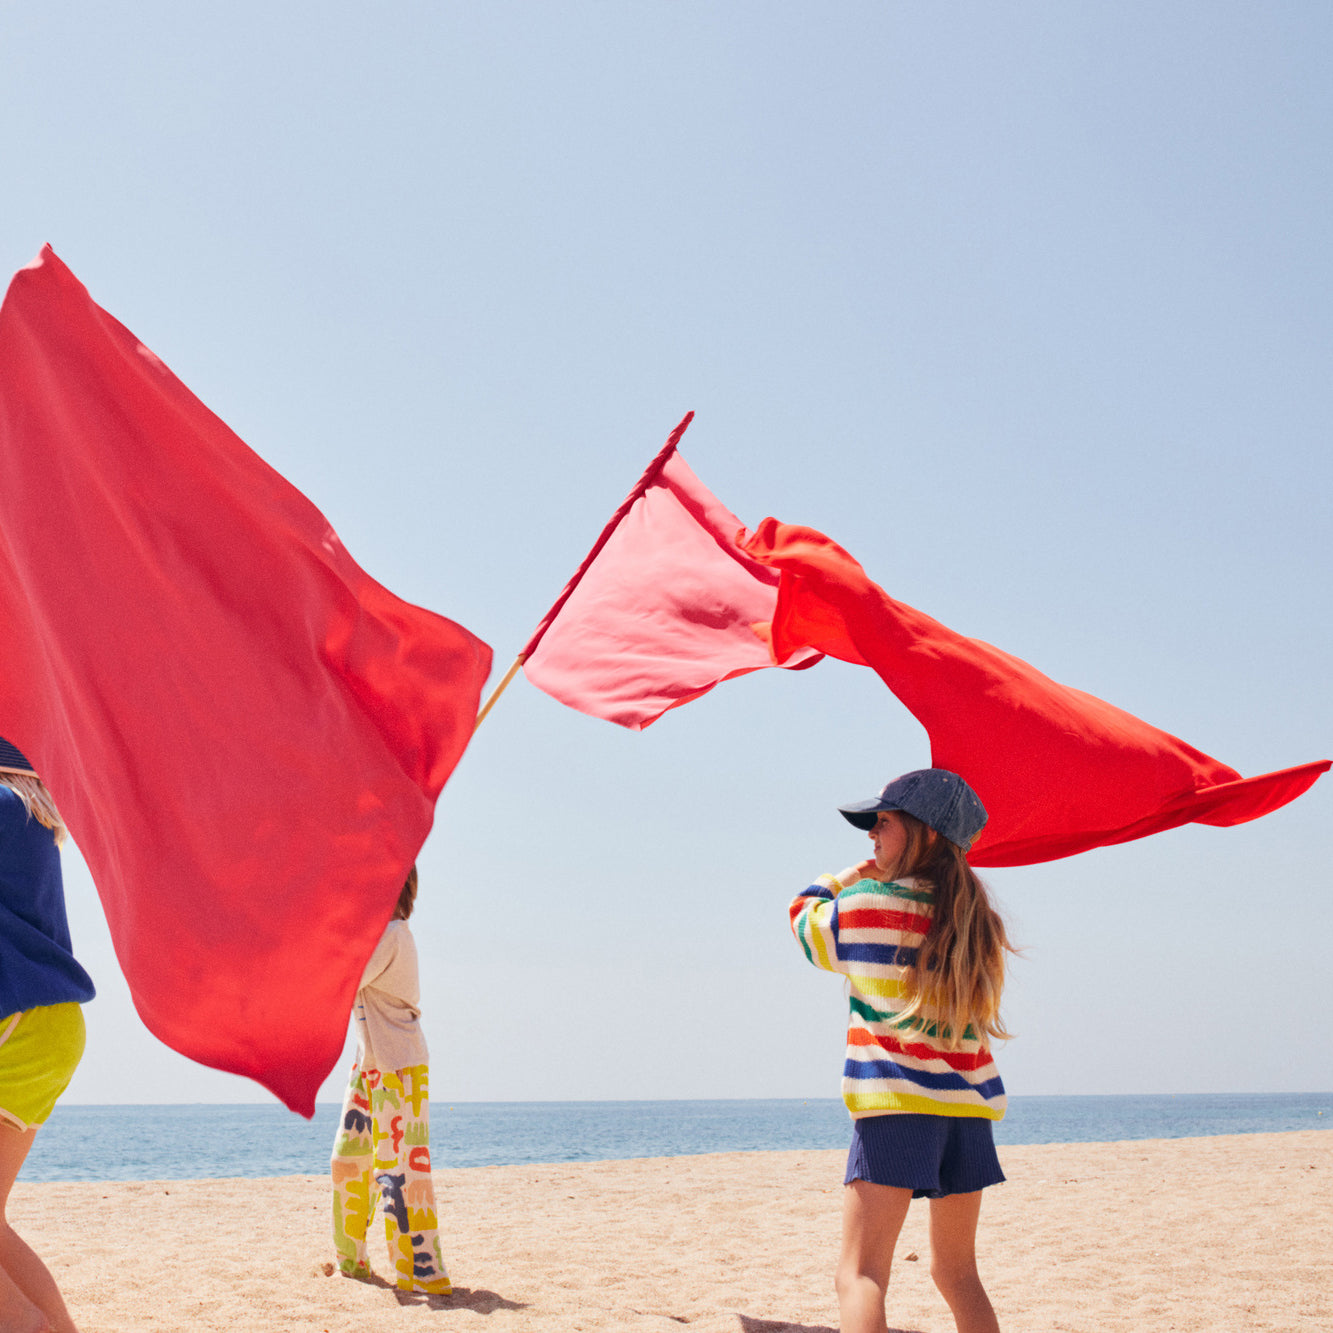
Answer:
[(666, 606), (1058, 770), (245, 732)]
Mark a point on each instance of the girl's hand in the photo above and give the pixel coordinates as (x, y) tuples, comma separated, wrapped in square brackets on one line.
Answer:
[(862, 870)]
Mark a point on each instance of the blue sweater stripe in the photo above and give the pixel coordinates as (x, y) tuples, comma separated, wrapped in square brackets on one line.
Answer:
[(923, 1078), (883, 955)]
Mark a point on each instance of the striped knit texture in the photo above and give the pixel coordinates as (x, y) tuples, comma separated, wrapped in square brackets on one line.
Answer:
[(870, 933)]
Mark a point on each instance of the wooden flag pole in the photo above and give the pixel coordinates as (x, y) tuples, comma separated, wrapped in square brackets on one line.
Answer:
[(499, 690)]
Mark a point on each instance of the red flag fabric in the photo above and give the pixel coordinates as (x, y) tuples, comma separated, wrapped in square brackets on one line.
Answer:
[(1058, 770), (245, 733), (667, 606)]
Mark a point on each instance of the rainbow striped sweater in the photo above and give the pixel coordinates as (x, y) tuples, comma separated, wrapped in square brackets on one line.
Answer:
[(870, 932)]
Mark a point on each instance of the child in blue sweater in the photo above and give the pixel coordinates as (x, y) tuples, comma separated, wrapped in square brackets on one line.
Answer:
[(41, 1024)]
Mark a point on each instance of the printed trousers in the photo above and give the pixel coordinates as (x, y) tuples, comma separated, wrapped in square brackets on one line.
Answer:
[(383, 1151)]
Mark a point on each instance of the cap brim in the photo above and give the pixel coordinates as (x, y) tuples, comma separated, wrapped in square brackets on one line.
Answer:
[(862, 814)]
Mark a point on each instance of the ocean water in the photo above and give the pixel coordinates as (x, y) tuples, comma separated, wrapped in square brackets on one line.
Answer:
[(198, 1142)]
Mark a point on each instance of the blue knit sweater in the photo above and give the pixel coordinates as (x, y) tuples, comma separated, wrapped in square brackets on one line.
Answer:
[(37, 965)]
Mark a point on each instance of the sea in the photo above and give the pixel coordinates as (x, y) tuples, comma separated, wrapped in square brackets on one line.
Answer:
[(196, 1142)]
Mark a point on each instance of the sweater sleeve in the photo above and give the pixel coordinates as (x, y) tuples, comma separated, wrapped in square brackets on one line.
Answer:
[(814, 922)]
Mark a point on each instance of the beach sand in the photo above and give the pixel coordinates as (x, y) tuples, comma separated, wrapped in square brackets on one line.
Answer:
[(1208, 1234)]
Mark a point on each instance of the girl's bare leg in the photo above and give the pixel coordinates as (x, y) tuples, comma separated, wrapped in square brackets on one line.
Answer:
[(872, 1217), (953, 1261), (30, 1301)]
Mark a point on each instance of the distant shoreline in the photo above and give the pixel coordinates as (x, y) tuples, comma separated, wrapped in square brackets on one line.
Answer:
[(713, 1101), (257, 1141), (441, 1167)]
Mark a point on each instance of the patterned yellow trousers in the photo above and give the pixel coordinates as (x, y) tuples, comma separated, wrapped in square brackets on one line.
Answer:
[(383, 1148)]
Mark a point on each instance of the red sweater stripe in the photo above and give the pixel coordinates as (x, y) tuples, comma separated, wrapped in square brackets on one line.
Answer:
[(883, 918), (958, 1060)]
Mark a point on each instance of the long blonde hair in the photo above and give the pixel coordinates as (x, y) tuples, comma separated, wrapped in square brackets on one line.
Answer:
[(959, 971), (31, 790)]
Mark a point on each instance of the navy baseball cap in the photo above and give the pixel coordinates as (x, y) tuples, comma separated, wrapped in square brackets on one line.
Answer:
[(12, 759), (938, 798)]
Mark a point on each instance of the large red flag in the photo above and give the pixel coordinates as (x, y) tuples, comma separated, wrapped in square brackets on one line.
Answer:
[(666, 605), (1059, 771), (245, 733)]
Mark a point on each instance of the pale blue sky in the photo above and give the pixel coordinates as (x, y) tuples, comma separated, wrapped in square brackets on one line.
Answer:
[(1028, 305)]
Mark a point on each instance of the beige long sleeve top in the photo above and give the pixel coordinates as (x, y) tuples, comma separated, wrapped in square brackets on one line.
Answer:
[(387, 1011)]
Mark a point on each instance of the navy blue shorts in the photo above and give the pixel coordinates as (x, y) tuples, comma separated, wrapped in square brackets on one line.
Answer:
[(931, 1155)]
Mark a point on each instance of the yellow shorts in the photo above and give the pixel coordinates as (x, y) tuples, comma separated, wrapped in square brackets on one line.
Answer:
[(39, 1051)]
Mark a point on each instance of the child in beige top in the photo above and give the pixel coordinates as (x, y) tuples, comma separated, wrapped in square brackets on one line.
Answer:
[(383, 1141)]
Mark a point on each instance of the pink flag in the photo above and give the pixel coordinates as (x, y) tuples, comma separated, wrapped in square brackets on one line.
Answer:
[(666, 605), (245, 733), (1059, 771)]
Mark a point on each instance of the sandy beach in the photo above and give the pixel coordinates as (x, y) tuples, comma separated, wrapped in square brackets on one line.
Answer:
[(1206, 1234)]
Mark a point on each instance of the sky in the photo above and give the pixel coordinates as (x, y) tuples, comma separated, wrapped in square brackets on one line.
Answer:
[(1029, 306)]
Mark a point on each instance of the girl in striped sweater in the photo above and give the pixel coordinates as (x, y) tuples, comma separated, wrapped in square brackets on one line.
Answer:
[(914, 932)]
